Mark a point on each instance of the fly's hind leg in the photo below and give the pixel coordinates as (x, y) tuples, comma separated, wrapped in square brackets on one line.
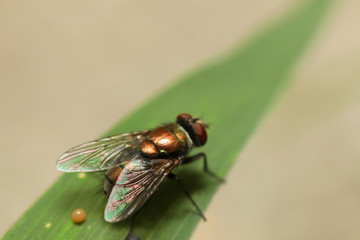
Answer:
[(174, 177), (131, 235), (206, 169)]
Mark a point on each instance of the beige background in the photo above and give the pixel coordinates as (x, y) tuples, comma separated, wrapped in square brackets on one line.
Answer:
[(69, 70)]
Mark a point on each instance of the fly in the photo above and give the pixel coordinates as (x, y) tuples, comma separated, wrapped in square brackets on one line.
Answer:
[(136, 163)]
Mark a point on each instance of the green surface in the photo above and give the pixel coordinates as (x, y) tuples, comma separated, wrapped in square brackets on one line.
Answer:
[(231, 94)]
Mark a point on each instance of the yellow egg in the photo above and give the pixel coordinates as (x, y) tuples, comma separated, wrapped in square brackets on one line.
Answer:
[(78, 215)]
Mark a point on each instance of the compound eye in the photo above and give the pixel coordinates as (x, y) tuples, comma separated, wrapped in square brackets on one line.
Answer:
[(200, 132), (184, 116)]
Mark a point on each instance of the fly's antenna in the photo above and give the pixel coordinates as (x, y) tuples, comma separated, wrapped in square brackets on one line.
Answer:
[(199, 120)]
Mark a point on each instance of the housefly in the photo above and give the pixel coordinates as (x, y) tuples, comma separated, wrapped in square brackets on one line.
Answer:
[(136, 163)]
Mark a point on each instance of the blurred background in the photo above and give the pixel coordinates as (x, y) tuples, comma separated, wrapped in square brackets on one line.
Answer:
[(69, 70)]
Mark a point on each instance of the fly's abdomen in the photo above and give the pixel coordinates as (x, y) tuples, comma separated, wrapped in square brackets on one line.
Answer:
[(110, 179)]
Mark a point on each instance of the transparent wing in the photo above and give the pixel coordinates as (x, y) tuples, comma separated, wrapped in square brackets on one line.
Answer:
[(136, 183), (101, 154)]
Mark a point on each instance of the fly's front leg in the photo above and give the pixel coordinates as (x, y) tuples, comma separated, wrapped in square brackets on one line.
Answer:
[(174, 177), (206, 169)]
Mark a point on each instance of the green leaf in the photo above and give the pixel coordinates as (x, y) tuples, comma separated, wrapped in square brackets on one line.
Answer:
[(231, 94)]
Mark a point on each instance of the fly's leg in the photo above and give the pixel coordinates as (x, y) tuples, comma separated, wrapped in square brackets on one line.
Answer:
[(174, 177), (202, 155), (131, 235)]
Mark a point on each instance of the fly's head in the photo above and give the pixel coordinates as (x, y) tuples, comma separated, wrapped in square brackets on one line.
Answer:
[(195, 128)]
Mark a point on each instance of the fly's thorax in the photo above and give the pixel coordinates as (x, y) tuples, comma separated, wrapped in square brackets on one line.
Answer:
[(181, 135), (165, 140), (149, 148)]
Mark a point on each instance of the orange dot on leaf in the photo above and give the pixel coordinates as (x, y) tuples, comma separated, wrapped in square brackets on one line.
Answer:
[(78, 215)]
